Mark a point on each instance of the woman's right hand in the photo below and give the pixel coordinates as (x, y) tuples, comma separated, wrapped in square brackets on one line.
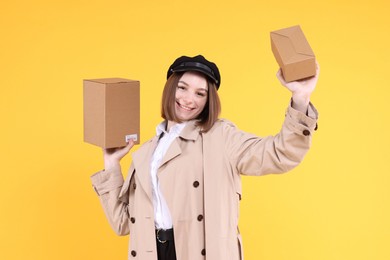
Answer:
[(112, 156)]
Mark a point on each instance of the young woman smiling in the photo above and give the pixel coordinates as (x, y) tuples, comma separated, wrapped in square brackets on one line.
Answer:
[(180, 199)]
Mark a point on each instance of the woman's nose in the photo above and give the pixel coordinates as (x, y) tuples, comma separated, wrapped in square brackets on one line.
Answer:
[(187, 98)]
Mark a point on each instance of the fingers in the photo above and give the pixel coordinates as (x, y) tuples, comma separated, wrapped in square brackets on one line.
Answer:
[(119, 151), (129, 145), (113, 156), (317, 69), (122, 151), (280, 77)]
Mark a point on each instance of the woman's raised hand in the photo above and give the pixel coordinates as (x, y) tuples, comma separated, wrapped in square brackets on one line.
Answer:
[(301, 90), (112, 156)]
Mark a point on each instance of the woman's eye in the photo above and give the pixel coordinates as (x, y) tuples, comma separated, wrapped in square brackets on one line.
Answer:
[(180, 87), (201, 94)]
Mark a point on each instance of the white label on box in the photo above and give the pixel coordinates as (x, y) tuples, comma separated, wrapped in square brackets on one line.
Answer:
[(133, 137)]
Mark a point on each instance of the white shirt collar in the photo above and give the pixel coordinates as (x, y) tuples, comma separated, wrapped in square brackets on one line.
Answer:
[(177, 128)]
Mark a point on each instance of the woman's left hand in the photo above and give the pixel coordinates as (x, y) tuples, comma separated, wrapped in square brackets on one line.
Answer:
[(301, 90)]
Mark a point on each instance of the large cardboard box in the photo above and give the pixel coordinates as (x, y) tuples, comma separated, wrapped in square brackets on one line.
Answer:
[(293, 53), (111, 111)]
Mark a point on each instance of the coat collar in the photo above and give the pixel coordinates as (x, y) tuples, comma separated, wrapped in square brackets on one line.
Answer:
[(191, 131), (142, 157)]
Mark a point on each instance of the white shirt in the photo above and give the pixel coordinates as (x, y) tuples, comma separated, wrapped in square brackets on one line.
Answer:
[(162, 216)]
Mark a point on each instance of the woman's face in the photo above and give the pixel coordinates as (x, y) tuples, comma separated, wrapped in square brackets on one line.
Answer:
[(191, 95)]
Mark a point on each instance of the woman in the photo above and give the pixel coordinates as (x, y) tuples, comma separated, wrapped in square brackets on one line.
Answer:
[(180, 199)]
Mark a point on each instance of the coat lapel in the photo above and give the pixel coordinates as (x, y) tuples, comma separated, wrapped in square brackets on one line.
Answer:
[(142, 157), (141, 161), (190, 132), (173, 151)]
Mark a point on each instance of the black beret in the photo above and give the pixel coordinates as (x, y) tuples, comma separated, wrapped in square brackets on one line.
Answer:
[(197, 63)]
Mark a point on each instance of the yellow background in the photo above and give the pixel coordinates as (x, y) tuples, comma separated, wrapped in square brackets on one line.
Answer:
[(335, 205)]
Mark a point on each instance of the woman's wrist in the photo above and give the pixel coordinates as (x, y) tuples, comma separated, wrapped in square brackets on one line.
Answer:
[(300, 102), (108, 165)]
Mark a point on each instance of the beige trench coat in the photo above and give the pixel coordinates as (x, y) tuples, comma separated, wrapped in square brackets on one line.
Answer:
[(200, 180)]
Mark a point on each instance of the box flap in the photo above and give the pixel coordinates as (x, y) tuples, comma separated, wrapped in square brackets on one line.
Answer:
[(293, 53), (294, 43), (111, 80)]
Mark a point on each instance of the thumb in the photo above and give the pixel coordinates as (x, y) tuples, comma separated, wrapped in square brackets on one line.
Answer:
[(279, 75), (127, 148)]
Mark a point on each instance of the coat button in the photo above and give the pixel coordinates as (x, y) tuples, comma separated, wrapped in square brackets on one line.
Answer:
[(200, 217), (306, 132), (134, 186), (196, 184), (133, 253), (203, 252), (132, 220)]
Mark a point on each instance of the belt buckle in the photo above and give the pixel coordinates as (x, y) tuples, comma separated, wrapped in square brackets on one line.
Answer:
[(158, 238)]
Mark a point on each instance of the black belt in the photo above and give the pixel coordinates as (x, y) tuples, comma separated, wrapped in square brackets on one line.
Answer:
[(164, 235)]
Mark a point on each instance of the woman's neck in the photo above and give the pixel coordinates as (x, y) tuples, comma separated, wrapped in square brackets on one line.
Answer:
[(170, 124)]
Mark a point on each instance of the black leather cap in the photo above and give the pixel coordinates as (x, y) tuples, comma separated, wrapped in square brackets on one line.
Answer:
[(197, 63)]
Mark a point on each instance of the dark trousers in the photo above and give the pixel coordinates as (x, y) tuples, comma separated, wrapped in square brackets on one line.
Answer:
[(166, 250)]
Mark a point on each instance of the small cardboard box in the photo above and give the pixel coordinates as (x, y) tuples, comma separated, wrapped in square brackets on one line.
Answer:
[(293, 53), (111, 111)]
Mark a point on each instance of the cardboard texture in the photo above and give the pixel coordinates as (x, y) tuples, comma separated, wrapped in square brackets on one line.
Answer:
[(111, 111), (293, 53)]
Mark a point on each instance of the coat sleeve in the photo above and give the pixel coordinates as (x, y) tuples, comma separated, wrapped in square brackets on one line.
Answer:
[(253, 155), (110, 185)]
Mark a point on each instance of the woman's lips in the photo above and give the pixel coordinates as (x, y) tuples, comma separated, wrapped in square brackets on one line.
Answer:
[(184, 107)]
